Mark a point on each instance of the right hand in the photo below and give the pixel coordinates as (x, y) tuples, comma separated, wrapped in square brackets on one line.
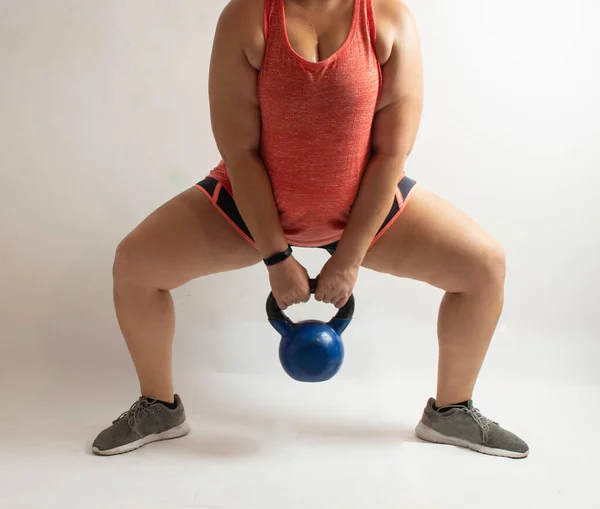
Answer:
[(289, 283)]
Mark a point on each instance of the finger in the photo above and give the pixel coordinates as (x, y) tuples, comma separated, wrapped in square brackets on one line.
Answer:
[(340, 302), (327, 297), (319, 294), (302, 297), (290, 302), (334, 299)]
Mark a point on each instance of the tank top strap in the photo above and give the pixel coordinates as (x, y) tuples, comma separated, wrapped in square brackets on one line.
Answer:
[(270, 8), (370, 20)]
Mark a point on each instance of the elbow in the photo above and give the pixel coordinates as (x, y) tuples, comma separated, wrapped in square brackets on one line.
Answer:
[(392, 159), (239, 157)]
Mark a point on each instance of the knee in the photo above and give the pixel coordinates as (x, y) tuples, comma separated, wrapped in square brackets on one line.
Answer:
[(491, 266), (127, 263)]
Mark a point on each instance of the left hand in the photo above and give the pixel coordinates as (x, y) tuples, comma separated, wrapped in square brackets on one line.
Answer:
[(336, 282)]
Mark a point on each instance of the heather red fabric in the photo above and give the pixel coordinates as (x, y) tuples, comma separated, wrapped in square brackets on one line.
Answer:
[(316, 126)]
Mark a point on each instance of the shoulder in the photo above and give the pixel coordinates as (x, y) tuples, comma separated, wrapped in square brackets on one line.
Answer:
[(243, 11), (394, 22), (242, 21), (394, 11)]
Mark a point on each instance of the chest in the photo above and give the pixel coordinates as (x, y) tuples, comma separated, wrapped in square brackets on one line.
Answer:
[(319, 32), (320, 65)]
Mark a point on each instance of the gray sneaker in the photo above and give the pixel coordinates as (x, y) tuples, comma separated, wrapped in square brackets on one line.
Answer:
[(146, 421), (467, 427)]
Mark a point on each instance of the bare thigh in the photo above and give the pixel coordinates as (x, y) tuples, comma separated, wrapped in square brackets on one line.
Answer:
[(184, 239), (435, 242)]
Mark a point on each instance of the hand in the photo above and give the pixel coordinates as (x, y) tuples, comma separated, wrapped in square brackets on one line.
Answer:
[(289, 283), (336, 282)]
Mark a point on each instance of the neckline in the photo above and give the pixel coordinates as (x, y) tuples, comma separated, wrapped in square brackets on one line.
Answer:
[(333, 56)]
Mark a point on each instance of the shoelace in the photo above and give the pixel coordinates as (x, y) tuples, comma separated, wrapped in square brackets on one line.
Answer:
[(482, 421), (137, 410)]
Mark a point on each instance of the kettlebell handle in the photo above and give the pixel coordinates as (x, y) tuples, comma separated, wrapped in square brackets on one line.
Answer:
[(275, 313)]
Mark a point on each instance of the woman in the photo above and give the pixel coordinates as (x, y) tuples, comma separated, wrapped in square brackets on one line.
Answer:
[(315, 108)]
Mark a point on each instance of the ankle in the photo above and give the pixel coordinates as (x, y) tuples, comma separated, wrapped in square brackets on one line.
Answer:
[(441, 403), (169, 405), (163, 396), (168, 402)]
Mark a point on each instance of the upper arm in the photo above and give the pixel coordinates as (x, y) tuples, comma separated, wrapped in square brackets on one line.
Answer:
[(235, 115), (401, 100)]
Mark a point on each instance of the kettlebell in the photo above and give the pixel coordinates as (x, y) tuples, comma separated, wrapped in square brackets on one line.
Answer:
[(312, 350)]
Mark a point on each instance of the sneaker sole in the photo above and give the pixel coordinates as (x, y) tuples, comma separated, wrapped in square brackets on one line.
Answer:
[(429, 435), (176, 432)]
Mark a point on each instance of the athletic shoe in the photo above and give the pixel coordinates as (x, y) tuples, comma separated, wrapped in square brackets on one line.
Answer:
[(146, 421), (467, 427)]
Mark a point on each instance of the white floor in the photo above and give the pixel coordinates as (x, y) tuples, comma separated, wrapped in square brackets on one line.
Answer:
[(265, 442)]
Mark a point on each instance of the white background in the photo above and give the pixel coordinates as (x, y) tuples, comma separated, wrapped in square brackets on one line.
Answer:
[(104, 116)]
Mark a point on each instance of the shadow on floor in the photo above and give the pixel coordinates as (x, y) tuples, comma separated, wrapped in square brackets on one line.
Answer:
[(219, 445), (285, 426)]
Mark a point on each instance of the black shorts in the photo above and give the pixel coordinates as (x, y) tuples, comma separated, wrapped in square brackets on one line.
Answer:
[(223, 201)]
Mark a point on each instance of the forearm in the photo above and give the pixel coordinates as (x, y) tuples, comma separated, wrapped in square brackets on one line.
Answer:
[(255, 201), (395, 131), (372, 205)]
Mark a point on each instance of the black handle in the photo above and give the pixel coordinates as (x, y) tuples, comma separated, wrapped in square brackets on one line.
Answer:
[(275, 313)]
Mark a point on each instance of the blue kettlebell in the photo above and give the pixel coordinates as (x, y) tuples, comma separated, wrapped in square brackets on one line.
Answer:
[(310, 351)]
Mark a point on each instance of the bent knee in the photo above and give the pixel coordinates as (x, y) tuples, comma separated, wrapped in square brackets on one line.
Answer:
[(490, 266), (128, 266)]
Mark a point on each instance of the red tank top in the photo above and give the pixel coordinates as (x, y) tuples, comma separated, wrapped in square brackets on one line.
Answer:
[(316, 126)]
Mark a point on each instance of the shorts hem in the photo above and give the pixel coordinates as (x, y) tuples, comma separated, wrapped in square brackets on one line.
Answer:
[(396, 216), (227, 218)]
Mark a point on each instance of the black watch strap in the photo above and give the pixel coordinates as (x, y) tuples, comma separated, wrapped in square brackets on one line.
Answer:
[(278, 258)]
